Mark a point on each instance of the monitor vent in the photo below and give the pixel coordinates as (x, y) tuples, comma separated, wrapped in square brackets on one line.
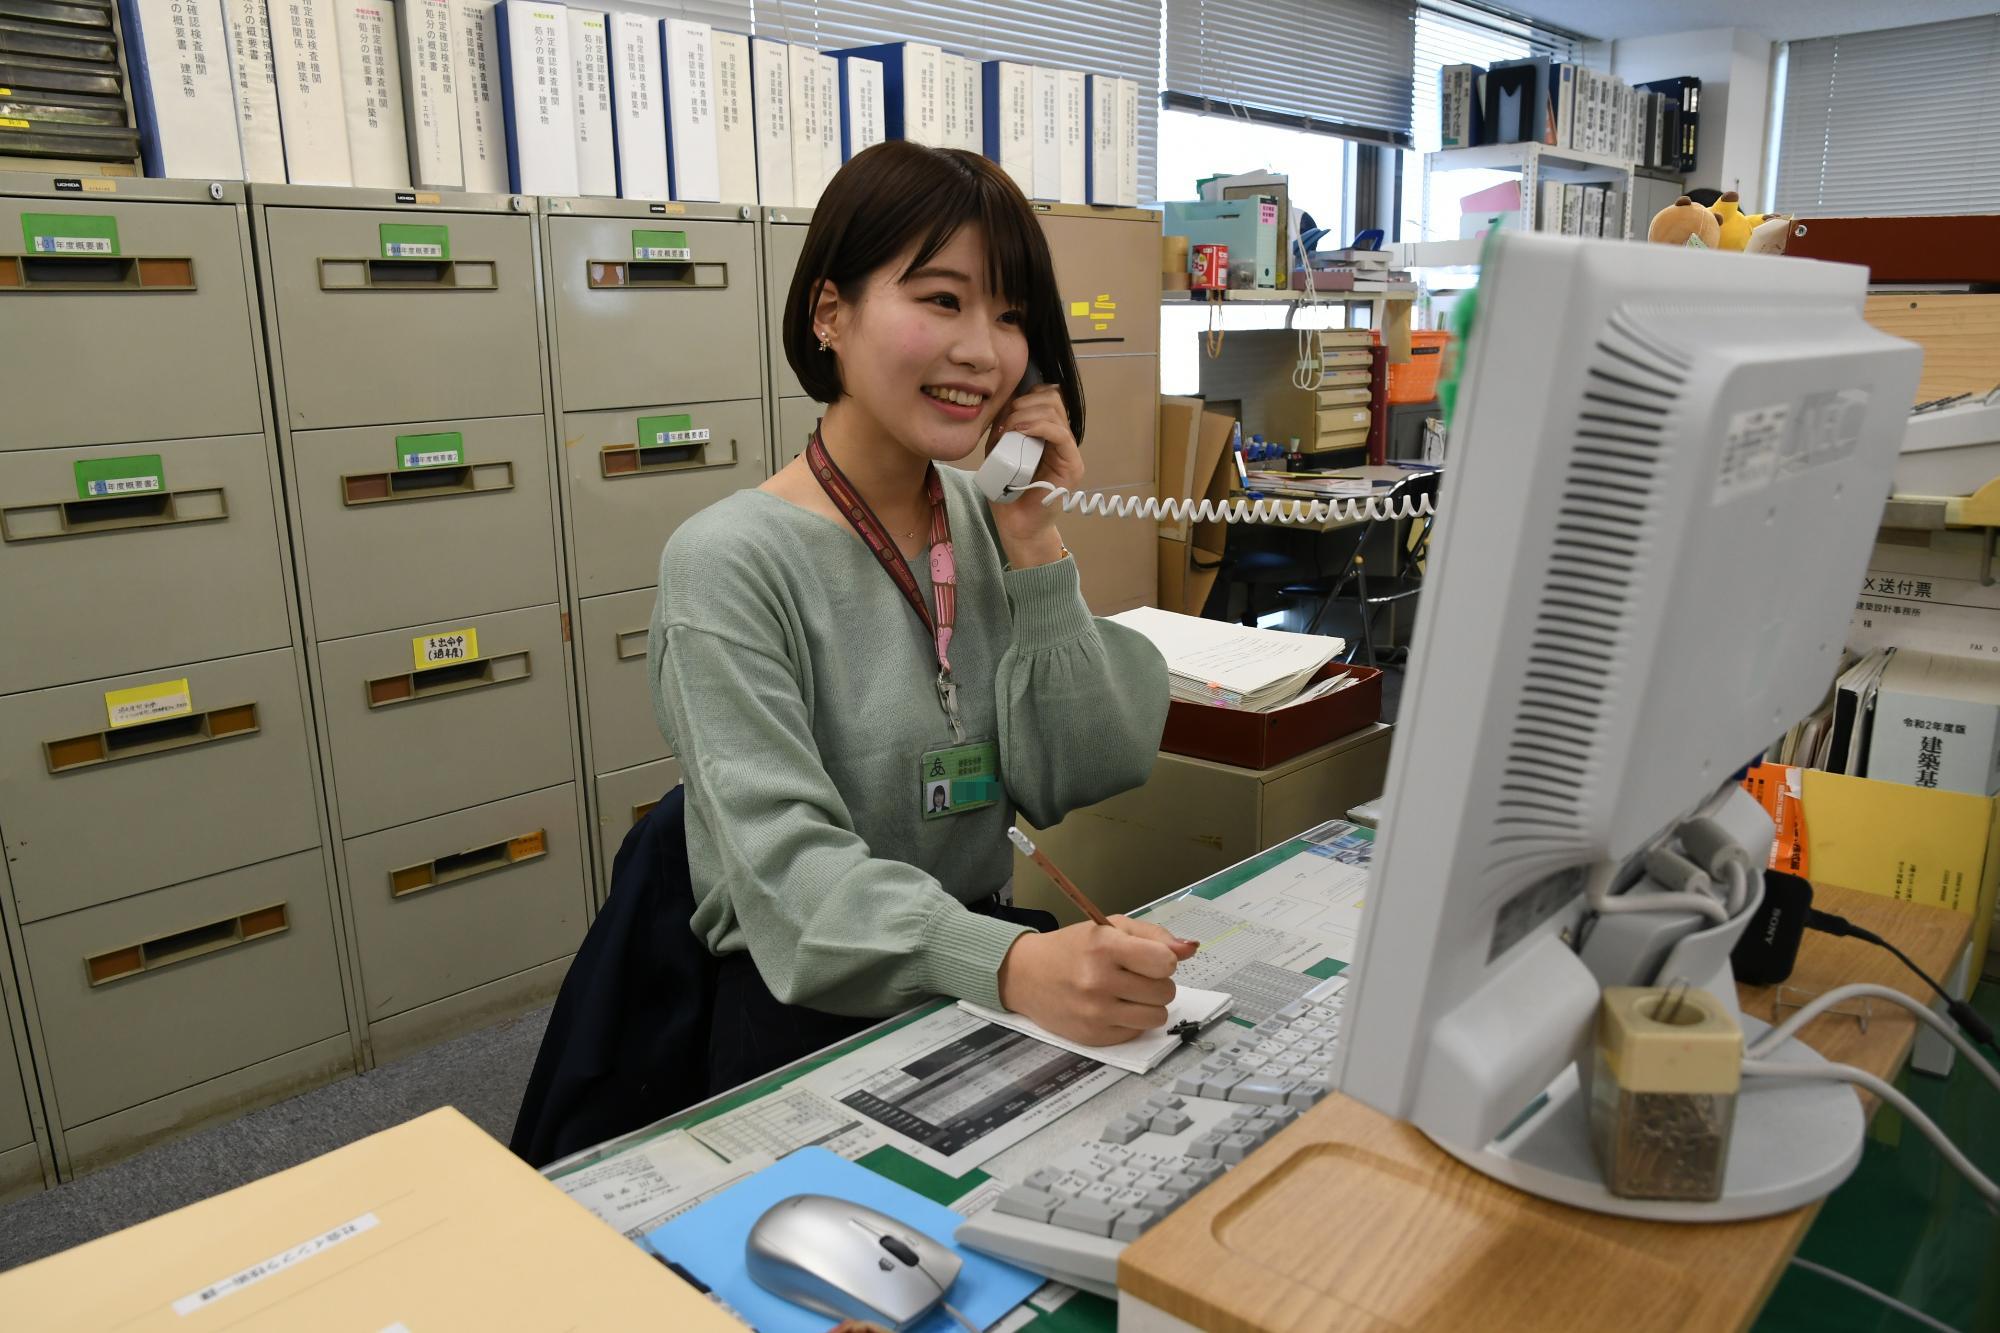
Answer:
[(1578, 642)]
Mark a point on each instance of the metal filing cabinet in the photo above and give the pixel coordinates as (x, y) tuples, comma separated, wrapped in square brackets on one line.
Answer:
[(657, 338), (26, 1164), (624, 797), (1108, 274), (411, 381), (157, 766), (795, 414)]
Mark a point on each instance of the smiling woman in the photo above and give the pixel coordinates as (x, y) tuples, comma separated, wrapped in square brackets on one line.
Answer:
[(864, 668)]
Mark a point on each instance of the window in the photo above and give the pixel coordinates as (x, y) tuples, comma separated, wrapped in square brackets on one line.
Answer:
[(1891, 122), (1458, 34)]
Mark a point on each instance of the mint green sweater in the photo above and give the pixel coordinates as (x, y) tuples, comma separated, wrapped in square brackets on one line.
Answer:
[(796, 687)]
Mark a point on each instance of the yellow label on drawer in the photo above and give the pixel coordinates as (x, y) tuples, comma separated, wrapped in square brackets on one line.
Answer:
[(454, 645), (148, 703)]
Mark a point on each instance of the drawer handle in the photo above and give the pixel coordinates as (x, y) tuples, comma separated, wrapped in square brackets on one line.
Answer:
[(408, 275), (425, 483), (657, 274), (182, 945), (633, 460), (435, 682), (631, 644), (144, 738), (469, 864), (644, 808), (112, 513), (94, 273)]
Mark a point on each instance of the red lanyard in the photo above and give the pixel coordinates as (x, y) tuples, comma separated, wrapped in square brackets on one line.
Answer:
[(944, 574)]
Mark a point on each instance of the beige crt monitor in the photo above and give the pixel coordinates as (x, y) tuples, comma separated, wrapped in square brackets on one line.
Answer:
[(1667, 470)]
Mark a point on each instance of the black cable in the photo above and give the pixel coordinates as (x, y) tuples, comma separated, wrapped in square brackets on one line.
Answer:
[(1962, 1013)]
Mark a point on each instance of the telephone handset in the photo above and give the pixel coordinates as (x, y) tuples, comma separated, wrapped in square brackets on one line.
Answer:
[(1009, 473)]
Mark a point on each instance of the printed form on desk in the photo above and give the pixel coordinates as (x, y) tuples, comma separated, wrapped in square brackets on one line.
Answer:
[(1211, 661)]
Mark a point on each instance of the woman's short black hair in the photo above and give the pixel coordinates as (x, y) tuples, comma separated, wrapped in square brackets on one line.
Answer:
[(898, 193)]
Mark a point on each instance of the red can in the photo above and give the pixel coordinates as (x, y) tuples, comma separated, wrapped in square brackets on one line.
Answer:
[(1210, 269)]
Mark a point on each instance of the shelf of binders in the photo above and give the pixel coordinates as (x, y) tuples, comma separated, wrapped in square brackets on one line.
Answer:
[(1534, 161), (1275, 296)]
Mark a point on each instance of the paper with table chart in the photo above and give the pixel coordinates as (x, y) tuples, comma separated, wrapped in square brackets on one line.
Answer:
[(1234, 666)]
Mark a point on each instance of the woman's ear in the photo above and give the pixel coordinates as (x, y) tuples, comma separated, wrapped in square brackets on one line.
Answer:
[(828, 313)]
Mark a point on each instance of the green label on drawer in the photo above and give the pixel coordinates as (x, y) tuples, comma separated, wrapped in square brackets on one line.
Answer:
[(670, 246), (446, 448), (410, 240), (69, 234), (140, 474), (679, 428)]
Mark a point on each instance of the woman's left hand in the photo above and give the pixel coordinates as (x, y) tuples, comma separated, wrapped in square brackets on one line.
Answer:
[(1027, 526)]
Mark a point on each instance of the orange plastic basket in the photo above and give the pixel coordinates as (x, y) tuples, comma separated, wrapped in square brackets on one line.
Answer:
[(1416, 380)]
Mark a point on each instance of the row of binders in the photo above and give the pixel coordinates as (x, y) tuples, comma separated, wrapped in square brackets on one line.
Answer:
[(1900, 715), (1559, 105), (532, 97), (1581, 210)]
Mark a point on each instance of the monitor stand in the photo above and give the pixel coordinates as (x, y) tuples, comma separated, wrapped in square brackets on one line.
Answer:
[(1794, 1141)]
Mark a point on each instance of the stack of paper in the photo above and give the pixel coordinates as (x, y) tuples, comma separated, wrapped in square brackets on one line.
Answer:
[(1234, 666)]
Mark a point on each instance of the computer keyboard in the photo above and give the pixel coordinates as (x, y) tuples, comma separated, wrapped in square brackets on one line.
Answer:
[(1072, 1217)]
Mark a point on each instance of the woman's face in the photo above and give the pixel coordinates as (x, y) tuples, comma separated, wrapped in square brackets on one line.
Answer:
[(930, 359)]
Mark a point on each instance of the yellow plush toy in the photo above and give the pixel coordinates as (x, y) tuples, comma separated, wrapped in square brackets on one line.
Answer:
[(1734, 223), (1684, 222)]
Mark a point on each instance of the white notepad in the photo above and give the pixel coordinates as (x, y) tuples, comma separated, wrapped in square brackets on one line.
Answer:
[(1138, 1055)]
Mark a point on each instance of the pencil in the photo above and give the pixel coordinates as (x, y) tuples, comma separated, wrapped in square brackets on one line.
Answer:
[(1056, 877)]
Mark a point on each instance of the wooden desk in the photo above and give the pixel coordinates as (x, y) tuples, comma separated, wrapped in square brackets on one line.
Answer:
[(1353, 1221)]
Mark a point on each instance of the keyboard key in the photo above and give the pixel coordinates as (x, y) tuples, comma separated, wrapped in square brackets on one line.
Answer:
[(1123, 1178), (1190, 1082), (1098, 1192), (1153, 1180), (1216, 1086), (1305, 1096), (1132, 1222), (1042, 1178), (1164, 1201), (1206, 1145), (1262, 1091), (1171, 1122), (1122, 1131), (1024, 1202), (1124, 1199), (1187, 1182), (1085, 1215), (1235, 1148), (1071, 1185)]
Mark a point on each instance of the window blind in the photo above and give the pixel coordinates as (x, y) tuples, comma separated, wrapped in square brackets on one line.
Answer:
[(1891, 122), (1331, 66)]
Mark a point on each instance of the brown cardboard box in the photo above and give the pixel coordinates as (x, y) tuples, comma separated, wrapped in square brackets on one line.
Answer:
[(429, 1226), (1194, 463)]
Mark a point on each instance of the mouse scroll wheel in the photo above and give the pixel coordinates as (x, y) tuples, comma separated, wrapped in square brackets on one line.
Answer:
[(900, 1250)]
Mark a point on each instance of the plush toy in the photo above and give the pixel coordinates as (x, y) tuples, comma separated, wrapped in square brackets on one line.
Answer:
[(1684, 222), (1769, 236), (1734, 223)]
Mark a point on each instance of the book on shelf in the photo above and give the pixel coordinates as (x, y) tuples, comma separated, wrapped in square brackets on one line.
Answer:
[(1460, 98), (1937, 723), (1536, 122)]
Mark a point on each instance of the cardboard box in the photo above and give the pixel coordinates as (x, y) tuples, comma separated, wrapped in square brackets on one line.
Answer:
[(1194, 462), (431, 1225)]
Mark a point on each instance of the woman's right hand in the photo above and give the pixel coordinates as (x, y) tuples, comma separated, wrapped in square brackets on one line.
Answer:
[(1098, 985)]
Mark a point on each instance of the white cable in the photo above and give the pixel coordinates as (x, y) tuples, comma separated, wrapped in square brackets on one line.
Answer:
[(1778, 1035), (969, 1327), (1907, 1311), (1861, 1078), (1380, 508), (1597, 893)]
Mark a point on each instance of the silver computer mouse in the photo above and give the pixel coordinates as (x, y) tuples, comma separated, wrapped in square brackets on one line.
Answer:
[(847, 1261)]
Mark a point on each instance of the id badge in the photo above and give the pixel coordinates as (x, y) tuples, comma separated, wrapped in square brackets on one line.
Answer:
[(958, 779)]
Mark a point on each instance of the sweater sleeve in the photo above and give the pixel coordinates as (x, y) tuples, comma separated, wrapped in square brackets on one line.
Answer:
[(1082, 702), (827, 924)]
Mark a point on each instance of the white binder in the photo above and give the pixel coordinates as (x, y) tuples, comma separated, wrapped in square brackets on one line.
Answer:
[(735, 136), (378, 147), (687, 68), (186, 107), (1007, 97), (538, 94), (861, 123), (1100, 113), (1128, 142), (808, 154), (639, 115), (1071, 129), (306, 48), (590, 63), (482, 132), (1045, 124), (256, 90), (430, 94), (827, 85), (771, 118)]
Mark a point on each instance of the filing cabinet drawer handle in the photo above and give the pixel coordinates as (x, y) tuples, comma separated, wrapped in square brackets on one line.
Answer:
[(631, 644), (634, 460), (144, 738), (183, 945), (436, 682), (470, 864), (112, 513), (425, 483), (94, 273), (408, 275), (657, 274), (644, 808)]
